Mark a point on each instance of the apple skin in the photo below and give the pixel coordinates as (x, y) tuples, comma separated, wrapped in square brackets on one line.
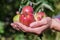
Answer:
[(27, 16), (16, 18), (26, 19), (27, 9), (38, 16)]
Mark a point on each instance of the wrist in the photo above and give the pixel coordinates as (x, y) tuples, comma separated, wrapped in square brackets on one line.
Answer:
[(54, 24)]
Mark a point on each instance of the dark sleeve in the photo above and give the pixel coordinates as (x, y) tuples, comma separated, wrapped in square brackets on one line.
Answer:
[(56, 16)]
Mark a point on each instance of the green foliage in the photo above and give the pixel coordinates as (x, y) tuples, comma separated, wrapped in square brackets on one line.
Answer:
[(1, 27), (19, 37), (8, 10)]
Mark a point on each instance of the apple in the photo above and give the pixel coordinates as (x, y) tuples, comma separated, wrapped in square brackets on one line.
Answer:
[(16, 18), (27, 9), (38, 16), (26, 19)]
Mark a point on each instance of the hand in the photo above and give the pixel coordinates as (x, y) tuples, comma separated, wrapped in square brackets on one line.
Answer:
[(24, 28), (44, 22), (55, 25)]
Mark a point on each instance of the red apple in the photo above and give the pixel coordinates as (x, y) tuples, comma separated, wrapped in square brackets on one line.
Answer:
[(27, 9), (38, 16), (26, 19)]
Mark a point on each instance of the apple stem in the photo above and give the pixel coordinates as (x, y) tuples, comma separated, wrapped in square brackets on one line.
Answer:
[(20, 8), (31, 4)]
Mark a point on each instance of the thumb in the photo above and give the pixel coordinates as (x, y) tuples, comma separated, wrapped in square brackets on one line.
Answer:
[(40, 23), (35, 24)]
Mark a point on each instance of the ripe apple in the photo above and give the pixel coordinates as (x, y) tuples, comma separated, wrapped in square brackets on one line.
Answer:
[(16, 18), (26, 19), (38, 16), (27, 9)]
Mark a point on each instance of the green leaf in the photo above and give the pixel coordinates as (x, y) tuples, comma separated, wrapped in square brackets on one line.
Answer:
[(19, 37), (1, 27), (48, 7), (27, 3), (38, 8)]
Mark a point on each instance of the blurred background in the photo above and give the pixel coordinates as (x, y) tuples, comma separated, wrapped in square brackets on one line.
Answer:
[(8, 10)]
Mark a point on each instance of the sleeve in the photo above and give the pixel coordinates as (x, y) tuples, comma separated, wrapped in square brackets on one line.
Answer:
[(56, 16)]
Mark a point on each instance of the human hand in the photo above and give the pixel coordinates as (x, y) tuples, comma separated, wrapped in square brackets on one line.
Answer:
[(38, 30), (24, 28), (42, 22), (55, 25)]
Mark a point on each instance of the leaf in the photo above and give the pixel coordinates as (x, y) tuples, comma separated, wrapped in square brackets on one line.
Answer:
[(1, 27), (19, 37), (27, 3), (47, 6)]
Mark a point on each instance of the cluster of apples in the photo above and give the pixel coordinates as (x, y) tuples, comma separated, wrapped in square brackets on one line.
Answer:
[(27, 16)]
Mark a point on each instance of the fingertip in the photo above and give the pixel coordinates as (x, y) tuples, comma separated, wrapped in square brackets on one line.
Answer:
[(17, 12), (11, 24), (31, 25)]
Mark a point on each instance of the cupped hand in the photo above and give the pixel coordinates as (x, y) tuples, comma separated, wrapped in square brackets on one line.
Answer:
[(42, 22), (43, 25), (24, 28)]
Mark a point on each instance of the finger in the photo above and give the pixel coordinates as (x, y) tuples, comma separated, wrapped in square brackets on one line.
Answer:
[(21, 26), (17, 12), (46, 20), (18, 25), (33, 30), (35, 24), (15, 26), (41, 29), (38, 23), (41, 22), (25, 28)]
